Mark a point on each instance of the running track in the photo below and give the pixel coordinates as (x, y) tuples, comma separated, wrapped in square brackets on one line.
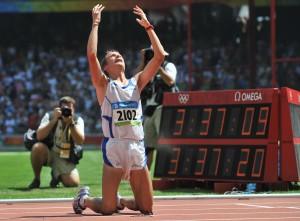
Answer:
[(237, 207)]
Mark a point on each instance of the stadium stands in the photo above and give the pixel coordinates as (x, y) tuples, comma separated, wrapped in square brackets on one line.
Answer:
[(42, 58)]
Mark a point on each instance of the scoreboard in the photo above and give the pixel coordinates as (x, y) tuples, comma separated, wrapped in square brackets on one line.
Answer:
[(290, 135), (227, 135)]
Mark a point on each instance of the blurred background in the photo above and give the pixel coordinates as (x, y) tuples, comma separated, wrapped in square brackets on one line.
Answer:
[(215, 45)]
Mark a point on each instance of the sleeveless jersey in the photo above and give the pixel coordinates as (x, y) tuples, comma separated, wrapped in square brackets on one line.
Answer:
[(122, 111)]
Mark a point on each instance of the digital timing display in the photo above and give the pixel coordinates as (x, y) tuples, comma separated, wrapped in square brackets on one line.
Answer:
[(209, 162), (219, 135), (233, 121)]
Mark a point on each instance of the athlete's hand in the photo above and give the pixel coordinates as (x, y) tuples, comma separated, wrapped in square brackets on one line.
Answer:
[(96, 13), (143, 21)]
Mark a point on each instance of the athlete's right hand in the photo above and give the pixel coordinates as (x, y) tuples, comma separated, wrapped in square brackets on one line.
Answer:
[(96, 13)]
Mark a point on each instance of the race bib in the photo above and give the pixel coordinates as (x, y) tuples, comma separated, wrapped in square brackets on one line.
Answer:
[(126, 113)]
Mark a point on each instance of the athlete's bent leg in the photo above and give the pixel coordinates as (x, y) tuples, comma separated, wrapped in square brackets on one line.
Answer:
[(111, 179), (141, 185)]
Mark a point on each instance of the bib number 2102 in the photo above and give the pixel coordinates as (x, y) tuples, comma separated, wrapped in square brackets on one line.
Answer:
[(126, 115)]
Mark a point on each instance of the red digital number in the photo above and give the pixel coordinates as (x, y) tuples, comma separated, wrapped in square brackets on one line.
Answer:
[(248, 121), (244, 159), (174, 161), (200, 163), (179, 122), (206, 121), (223, 111), (263, 120), (218, 152), (258, 162)]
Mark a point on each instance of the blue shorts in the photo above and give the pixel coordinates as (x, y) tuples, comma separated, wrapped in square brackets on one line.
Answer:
[(125, 154)]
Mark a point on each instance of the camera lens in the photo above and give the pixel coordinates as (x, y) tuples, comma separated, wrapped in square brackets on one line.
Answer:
[(66, 111)]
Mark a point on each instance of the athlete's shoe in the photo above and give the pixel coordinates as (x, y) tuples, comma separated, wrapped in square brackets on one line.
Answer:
[(78, 206)]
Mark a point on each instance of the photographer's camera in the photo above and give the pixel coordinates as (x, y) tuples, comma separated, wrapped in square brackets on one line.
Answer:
[(66, 111)]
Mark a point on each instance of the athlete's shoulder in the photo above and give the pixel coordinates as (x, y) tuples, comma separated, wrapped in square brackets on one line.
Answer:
[(133, 80)]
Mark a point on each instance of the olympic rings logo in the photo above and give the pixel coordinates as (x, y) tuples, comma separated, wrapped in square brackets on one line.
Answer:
[(183, 98)]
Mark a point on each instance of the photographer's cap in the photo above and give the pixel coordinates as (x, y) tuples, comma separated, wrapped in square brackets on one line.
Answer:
[(151, 48), (67, 99)]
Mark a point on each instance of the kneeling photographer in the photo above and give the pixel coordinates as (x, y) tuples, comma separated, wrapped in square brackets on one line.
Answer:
[(59, 135)]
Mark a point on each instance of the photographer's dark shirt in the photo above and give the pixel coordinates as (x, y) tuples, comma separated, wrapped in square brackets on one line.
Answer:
[(158, 86)]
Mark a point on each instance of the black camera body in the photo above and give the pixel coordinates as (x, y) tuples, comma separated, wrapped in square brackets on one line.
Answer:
[(66, 111), (148, 55)]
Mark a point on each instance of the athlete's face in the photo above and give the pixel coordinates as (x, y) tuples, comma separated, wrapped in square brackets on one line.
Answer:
[(114, 63)]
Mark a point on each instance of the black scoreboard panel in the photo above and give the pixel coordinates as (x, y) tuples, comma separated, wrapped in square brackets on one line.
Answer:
[(219, 135), (231, 121), (211, 162)]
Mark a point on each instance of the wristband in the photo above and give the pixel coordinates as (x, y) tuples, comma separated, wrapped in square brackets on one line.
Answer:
[(149, 27)]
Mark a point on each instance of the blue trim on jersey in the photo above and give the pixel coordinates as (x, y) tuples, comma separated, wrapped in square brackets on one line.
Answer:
[(107, 99), (105, 159), (124, 104), (129, 83), (109, 119), (123, 87)]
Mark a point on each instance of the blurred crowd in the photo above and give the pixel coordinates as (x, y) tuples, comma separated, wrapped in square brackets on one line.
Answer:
[(33, 78)]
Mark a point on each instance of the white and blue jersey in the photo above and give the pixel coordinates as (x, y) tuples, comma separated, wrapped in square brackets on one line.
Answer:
[(122, 111), (123, 146)]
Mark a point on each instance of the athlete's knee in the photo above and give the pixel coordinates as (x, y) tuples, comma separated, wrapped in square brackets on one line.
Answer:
[(147, 211), (108, 210), (146, 207)]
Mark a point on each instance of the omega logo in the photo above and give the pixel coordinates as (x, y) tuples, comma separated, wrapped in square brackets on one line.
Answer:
[(247, 96)]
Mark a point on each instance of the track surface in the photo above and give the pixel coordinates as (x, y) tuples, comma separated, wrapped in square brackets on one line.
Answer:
[(282, 208)]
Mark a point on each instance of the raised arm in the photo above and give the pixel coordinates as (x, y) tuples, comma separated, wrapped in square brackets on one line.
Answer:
[(98, 77), (159, 53)]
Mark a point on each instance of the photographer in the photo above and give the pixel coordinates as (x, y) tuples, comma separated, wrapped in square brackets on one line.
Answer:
[(64, 130), (152, 97)]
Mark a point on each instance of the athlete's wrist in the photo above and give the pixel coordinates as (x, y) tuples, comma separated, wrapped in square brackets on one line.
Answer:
[(95, 24), (149, 27)]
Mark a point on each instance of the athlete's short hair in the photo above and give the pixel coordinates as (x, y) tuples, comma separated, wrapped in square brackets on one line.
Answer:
[(104, 61)]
